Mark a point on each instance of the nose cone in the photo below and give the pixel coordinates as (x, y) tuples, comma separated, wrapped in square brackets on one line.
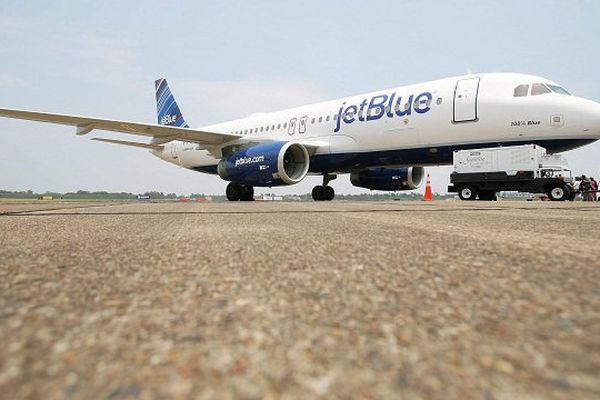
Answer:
[(594, 125), (588, 113)]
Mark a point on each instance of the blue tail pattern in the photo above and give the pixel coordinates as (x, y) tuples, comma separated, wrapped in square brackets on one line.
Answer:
[(167, 110)]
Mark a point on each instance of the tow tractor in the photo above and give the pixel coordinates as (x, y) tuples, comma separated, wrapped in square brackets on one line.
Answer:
[(482, 173)]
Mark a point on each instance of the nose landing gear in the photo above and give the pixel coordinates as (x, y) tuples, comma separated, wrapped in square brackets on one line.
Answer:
[(324, 192)]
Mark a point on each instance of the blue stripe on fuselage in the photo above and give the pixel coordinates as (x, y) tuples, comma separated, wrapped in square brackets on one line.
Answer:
[(346, 162)]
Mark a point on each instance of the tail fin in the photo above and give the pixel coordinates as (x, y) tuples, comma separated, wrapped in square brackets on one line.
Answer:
[(166, 107)]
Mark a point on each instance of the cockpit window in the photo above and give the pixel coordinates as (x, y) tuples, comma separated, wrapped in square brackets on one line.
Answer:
[(559, 90), (521, 90), (539, 88)]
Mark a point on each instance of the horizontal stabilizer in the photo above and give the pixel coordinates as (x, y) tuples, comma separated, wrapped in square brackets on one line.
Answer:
[(152, 146)]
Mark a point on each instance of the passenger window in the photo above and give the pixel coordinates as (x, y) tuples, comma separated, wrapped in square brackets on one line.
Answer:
[(327, 118), (320, 119), (539, 88), (335, 117), (279, 126), (285, 125), (312, 121), (521, 91)]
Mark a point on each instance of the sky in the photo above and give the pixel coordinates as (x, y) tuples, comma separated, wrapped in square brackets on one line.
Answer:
[(230, 59)]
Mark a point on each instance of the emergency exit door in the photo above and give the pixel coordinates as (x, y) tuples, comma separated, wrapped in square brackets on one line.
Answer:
[(465, 100)]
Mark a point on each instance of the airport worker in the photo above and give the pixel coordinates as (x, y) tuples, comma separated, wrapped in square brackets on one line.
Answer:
[(593, 188), (577, 186), (584, 188)]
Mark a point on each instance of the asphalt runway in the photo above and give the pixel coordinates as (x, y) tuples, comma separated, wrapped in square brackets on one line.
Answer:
[(446, 300)]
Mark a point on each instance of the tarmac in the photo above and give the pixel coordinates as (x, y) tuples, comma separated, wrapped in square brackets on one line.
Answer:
[(409, 300)]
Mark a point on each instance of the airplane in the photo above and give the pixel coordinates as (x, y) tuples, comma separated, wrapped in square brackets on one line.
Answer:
[(383, 139)]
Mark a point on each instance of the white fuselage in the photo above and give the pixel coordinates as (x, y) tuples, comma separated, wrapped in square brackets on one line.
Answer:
[(383, 128)]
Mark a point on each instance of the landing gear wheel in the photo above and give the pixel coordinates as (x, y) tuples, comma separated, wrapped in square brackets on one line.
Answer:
[(323, 193), (234, 191), (329, 193), (318, 193), (467, 193), (247, 194), (558, 193)]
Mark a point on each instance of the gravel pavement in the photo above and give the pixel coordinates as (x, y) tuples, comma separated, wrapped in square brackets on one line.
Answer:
[(442, 300)]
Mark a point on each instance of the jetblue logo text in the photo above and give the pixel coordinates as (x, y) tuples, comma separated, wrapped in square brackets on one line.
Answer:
[(383, 104), (168, 119)]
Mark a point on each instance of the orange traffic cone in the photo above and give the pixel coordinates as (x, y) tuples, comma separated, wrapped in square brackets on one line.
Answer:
[(428, 195)]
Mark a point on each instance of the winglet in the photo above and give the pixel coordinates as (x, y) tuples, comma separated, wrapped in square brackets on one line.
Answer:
[(167, 110)]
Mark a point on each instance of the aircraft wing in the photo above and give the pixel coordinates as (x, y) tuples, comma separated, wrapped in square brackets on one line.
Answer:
[(86, 124)]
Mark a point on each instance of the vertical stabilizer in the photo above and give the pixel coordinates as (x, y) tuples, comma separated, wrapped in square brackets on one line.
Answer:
[(167, 110)]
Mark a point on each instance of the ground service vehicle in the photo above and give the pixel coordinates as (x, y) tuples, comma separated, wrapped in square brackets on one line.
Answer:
[(481, 173)]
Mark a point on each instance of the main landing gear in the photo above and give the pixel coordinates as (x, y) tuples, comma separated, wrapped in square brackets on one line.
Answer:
[(237, 192), (324, 192)]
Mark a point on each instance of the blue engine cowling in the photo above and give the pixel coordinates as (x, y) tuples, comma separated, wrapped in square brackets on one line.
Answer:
[(269, 164), (388, 178)]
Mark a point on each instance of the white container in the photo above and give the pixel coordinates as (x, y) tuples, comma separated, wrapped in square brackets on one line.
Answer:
[(509, 159)]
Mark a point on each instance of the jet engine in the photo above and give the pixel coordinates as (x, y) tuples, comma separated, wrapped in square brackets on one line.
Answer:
[(268, 164), (388, 178)]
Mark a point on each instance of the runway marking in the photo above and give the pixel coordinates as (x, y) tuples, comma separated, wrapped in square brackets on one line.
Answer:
[(235, 212)]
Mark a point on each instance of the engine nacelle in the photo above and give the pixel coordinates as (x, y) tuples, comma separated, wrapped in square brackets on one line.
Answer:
[(268, 164), (388, 178)]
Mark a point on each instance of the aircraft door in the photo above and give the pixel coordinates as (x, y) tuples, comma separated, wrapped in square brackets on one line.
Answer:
[(292, 126), (302, 125), (465, 100)]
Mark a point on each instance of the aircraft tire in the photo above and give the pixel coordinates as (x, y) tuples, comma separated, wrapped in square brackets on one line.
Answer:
[(318, 193), (247, 193), (329, 193), (234, 191)]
